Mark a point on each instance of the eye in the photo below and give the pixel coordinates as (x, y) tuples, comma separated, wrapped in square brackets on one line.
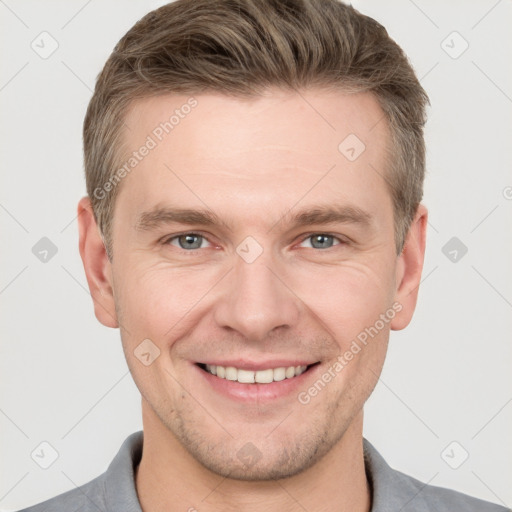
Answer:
[(188, 241), (320, 241)]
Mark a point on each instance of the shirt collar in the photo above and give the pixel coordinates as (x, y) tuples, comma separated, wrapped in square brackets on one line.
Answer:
[(120, 491), (392, 491)]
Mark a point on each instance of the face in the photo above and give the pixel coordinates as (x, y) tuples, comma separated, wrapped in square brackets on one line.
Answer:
[(248, 243)]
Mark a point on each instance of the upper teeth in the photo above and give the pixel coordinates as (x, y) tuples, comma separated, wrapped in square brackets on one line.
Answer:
[(260, 376)]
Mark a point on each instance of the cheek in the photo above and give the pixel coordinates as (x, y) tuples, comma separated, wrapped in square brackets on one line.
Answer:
[(155, 300), (348, 297)]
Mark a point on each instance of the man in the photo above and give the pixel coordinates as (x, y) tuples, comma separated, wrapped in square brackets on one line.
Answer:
[(253, 226)]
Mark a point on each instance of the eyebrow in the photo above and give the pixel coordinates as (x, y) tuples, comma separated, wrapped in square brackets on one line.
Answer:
[(153, 219), (347, 214)]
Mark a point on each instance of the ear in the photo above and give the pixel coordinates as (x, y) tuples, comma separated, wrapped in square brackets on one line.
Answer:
[(96, 264), (409, 268)]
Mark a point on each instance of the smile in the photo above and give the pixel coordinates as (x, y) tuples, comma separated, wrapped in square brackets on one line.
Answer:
[(257, 382), (254, 377)]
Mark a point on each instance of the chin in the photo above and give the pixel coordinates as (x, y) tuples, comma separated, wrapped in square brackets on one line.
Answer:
[(262, 460)]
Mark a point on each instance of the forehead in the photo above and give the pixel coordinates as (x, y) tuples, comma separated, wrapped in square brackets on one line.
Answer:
[(281, 145), (321, 115)]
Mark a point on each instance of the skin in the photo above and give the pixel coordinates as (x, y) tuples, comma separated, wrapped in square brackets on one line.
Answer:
[(253, 163)]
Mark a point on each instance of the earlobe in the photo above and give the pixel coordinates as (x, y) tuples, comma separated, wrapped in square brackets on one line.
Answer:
[(409, 268), (96, 265)]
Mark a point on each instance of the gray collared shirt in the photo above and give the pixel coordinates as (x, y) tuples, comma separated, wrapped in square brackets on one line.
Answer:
[(392, 491)]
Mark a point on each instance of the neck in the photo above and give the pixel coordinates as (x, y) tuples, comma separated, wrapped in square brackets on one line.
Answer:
[(169, 478)]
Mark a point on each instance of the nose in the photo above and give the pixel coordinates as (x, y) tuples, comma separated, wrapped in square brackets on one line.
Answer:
[(256, 300)]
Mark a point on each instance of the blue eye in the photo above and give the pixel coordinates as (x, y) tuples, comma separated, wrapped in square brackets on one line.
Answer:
[(188, 241), (321, 241), (194, 241)]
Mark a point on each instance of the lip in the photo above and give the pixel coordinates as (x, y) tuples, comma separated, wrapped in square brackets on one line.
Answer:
[(258, 393)]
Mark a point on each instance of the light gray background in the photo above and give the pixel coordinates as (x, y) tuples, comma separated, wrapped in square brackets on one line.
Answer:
[(447, 377)]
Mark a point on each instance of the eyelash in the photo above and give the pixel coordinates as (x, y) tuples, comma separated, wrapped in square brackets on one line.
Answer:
[(342, 241), (167, 241)]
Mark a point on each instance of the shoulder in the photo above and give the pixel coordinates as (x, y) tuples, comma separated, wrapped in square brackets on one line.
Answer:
[(114, 490), (86, 498), (441, 499), (393, 490)]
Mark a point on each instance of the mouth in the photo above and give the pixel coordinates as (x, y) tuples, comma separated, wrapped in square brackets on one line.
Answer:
[(258, 383), (264, 376)]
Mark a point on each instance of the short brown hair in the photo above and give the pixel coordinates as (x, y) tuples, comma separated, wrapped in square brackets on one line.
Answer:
[(241, 47)]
